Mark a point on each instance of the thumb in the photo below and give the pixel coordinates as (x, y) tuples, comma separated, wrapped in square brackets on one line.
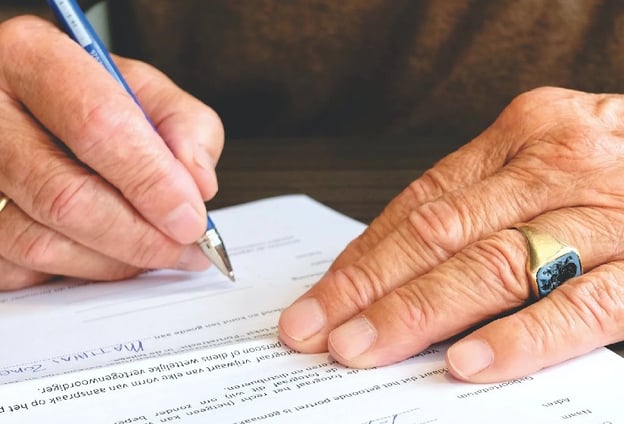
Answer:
[(577, 317)]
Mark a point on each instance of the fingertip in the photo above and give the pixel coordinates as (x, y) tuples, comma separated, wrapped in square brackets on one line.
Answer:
[(300, 326), (352, 339), (468, 358), (502, 350)]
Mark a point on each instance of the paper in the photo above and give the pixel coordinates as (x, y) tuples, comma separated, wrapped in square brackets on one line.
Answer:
[(278, 247), (184, 347), (261, 381)]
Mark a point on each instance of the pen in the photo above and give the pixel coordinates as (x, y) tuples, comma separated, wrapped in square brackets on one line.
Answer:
[(71, 17)]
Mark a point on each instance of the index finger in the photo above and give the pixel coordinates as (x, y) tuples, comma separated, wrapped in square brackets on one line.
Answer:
[(429, 236), (469, 164), (83, 106)]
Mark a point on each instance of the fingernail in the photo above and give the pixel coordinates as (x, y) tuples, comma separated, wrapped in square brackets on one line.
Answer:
[(470, 357), (353, 338), (183, 222), (193, 259), (303, 319)]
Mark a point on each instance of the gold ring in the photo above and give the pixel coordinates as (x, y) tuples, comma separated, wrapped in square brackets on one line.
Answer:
[(3, 202), (550, 262)]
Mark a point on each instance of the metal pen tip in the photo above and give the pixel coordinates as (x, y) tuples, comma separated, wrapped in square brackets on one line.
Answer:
[(212, 246)]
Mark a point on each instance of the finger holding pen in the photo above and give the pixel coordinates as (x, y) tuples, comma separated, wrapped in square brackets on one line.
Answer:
[(192, 130), (77, 26), (96, 119), (121, 192)]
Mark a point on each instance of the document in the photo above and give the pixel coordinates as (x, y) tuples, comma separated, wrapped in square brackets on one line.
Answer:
[(278, 247), (172, 346)]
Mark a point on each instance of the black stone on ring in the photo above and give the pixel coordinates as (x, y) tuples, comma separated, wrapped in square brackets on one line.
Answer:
[(550, 262)]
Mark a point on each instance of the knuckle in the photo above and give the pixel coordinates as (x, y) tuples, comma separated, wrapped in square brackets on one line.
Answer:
[(16, 39), (411, 309), (440, 227), (502, 265), (150, 182), (17, 32), (527, 114), (431, 183), (529, 100), (103, 120), (572, 126), (358, 287), (608, 109), (62, 201), (35, 251)]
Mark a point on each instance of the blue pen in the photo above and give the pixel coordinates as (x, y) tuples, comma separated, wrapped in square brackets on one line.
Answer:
[(77, 26)]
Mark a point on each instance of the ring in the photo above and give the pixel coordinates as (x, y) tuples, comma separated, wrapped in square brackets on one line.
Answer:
[(3, 202), (550, 262)]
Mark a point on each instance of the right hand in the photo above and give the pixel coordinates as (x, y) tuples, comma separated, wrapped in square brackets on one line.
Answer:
[(95, 192)]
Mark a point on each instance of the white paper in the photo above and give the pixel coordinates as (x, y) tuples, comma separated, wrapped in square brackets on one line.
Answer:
[(171, 346), (263, 382), (278, 248)]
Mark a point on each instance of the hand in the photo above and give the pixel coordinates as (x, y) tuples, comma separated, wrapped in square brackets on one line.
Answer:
[(441, 259), (95, 192)]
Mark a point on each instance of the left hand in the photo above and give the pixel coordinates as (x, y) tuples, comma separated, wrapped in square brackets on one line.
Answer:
[(441, 259)]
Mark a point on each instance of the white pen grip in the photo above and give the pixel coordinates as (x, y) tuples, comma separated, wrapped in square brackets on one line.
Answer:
[(80, 34)]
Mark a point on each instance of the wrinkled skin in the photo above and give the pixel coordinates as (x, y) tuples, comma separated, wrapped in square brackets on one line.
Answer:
[(441, 259), (88, 176)]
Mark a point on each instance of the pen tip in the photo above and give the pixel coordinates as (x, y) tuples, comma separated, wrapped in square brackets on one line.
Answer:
[(231, 276)]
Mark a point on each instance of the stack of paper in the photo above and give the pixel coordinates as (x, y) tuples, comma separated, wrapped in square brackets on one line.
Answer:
[(172, 346)]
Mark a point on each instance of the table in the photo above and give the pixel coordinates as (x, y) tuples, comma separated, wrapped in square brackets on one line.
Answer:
[(354, 175)]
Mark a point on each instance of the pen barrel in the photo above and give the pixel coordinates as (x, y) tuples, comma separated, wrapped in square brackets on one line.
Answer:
[(77, 26), (69, 14)]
